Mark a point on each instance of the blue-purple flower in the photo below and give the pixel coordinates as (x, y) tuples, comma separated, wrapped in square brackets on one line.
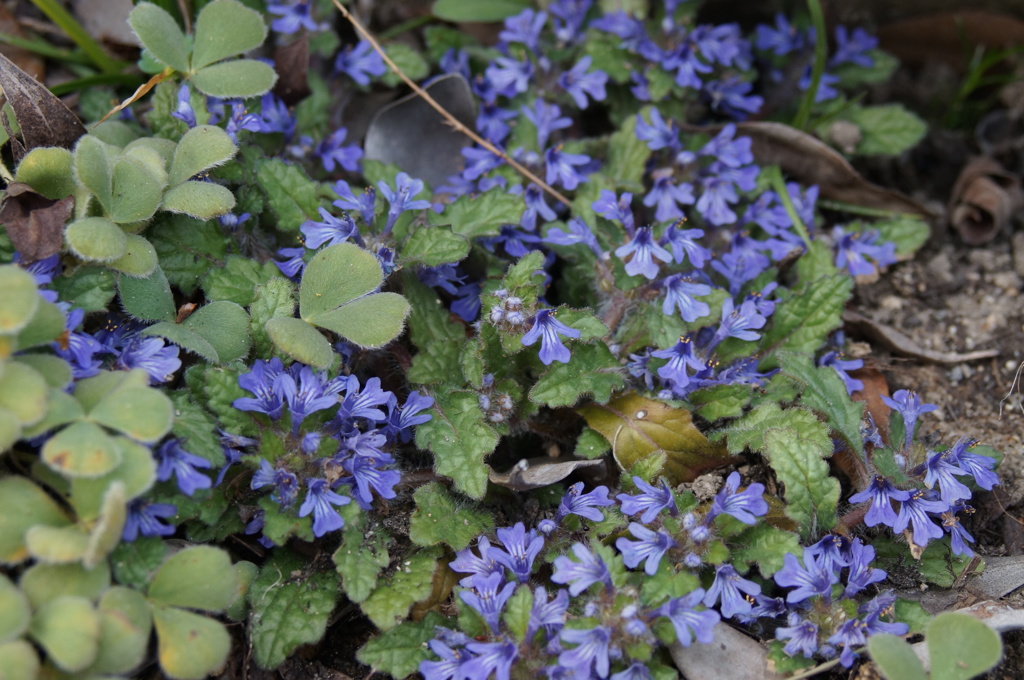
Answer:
[(651, 501), (814, 578), (561, 167), (284, 483), (580, 83), (644, 250), (802, 636), (321, 502), (746, 505), (547, 329), (650, 547), (144, 519), (581, 574), (591, 650), (521, 549), (360, 62), (688, 622), (909, 406), (575, 502), (913, 512), (881, 493), (399, 198), (734, 592), (173, 460), (487, 594), (681, 294)]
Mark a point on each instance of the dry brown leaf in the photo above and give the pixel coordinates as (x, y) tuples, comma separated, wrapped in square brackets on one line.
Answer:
[(292, 65), (898, 343), (875, 387), (34, 223), (43, 118), (984, 199), (941, 35), (535, 473)]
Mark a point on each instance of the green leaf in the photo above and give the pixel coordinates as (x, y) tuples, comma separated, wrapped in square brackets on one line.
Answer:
[(273, 299), (802, 321), (796, 456), (143, 413), (136, 472), (389, 604), (135, 563), (961, 647), (24, 393), (82, 449), (199, 577), (225, 325), (300, 341), (184, 338), (148, 298), (42, 583), (292, 195), (907, 233), (591, 444), (188, 248), (638, 428), (337, 275), (19, 661), (408, 60), (89, 288), (237, 280), (57, 545), (68, 629), (764, 545), (399, 651), (204, 146), (213, 43), (48, 171), (93, 163), (895, 658), (196, 429), (483, 11), (437, 363), (371, 321), (108, 527), (125, 627), (96, 239), (139, 257), (20, 299), (218, 389), (438, 519), (233, 79), (202, 200), (434, 245), (360, 558), (47, 324), (887, 130), (190, 646), (136, 191), (608, 55), (459, 439), (627, 156), (429, 320), (161, 35), (15, 611), (825, 392), (290, 608), (480, 215), (593, 370), (938, 564), (23, 505), (720, 401), (517, 612)]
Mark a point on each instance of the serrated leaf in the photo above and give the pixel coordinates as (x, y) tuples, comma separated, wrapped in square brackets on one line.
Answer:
[(213, 43), (160, 34), (188, 248), (390, 602), (190, 646), (638, 427), (887, 130), (89, 288), (907, 233), (199, 577), (593, 370), (764, 545), (435, 245), (627, 156), (437, 363), (202, 200), (938, 564), (21, 299), (438, 519), (481, 215), (237, 280), (720, 401), (429, 319), (400, 650), (148, 298), (608, 55), (240, 78), (195, 428), (459, 439), (801, 323), (300, 340), (291, 194), (895, 658), (961, 647), (360, 559), (68, 628), (811, 493), (134, 563), (219, 388), (370, 321), (96, 239), (273, 299), (825, 392), (288, 610), (201, 148)]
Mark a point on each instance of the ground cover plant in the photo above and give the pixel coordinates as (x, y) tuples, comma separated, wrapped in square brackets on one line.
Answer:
[(559, 388)]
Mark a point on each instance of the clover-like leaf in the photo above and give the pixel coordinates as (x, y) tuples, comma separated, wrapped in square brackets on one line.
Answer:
[(201, 200), (68, 628), (10, 429), (139, 259), (108, 527), (203, 147), (185, 338), (135, 191), (232, 79), (47, 324), (638, 427), (23, 505), (370, 321), (24, 393), (125, 627), (895, 658), (160, 34), (148, 298), (225, 325), (19, 301), (200, 577), (299, 340), (190, 646), (42, 583), (94, 167), (19, 660), (54, 370), (337, 275), (961, 647), (15, 611), (96, 239), (57, 545), (48, 170), (143, 413), (213, 42), (82, 449)]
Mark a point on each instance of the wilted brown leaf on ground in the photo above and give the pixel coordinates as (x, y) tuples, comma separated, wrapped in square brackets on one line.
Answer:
[(292, 64), (43, 118), (34, 223), (984, 199)]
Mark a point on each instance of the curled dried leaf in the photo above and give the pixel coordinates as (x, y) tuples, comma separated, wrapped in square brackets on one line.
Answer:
[(535, 473), (984, 199)]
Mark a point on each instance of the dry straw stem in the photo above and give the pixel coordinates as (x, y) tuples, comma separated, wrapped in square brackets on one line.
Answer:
[(366, 35)]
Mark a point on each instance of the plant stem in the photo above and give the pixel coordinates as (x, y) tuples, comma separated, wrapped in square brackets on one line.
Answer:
[(456, 125), (779, 186), (60, 16), (406, 26), (865, 211), (803, 115)]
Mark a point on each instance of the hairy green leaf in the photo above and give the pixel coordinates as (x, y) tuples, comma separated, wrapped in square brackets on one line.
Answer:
[(801, 322), (437, 363), (360, 559), (389, 604), (434, 245), (203, 147), (460, 439), (190, 646), (961, 647), (149, 298), (627, 156), (300, 340), (237, 280), (213, 42), (764, 545), (592, 370), (275, 298), (400, 650), (291, 194), (160, 34), (233, 79), (438, 519), (887, 130), (825, 392), (481, 215)]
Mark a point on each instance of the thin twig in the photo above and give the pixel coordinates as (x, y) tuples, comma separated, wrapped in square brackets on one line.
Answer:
[(368, 37)]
